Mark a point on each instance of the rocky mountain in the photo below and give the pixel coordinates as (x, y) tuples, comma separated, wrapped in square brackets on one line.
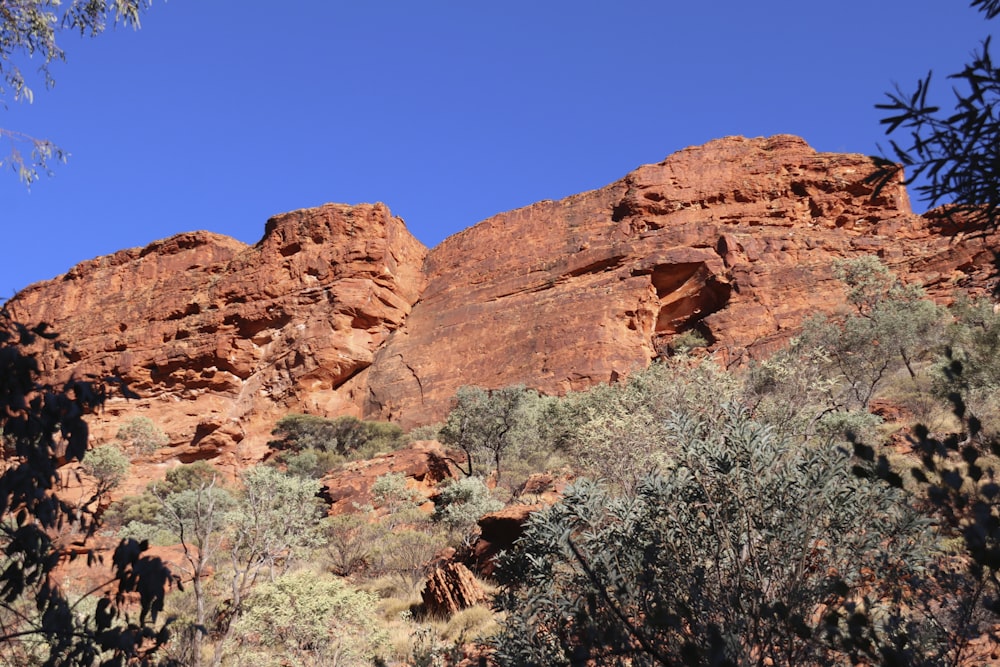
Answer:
[(340, 310)]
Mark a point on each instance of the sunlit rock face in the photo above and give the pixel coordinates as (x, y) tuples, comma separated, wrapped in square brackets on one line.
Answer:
[(220, 338), (734, 239), (339, 310)]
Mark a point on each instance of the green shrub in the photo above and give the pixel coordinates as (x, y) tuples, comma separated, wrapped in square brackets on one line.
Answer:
[(142, 436), (461, 503), (107, 465), (744, 550), (347, 436), (307, 618), (391, 491)]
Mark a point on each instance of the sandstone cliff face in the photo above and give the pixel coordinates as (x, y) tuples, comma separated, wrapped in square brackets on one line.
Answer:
[(339, 310), (221, 338), (734, 239)]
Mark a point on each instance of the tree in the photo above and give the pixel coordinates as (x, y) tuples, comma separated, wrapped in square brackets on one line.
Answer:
[(43, 428), (272, 526), (742, 550), (889, 323), (196, 517), (30, 28), (108, 466), (488, 423), (958, 153)]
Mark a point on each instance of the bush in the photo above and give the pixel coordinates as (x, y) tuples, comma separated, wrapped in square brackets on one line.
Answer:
[(308, 618), (744, 550), (142, 436), (107, 465), (390, 491), (461, 503), (346, 436)]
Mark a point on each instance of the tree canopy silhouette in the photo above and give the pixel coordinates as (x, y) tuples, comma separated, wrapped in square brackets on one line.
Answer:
[(44, 429), (952, 157)]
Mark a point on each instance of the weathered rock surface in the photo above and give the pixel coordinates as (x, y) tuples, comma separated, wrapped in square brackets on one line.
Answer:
[(734, 239), (497, 532), (339, 310), (450, 588), (424, 464), (220, 338)]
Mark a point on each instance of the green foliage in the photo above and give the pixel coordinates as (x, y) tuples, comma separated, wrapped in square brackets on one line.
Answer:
[(958, 475), (620, 435), (307, 618), (107, 465), (30, 28), (490, 424), (971, 367), (344, 436), (195, 515), (274, 523), (43, 427), (142, 436), (187, 477), (391, 491), (891, 325), (743, 551), (461, 503), (686, 341), (142, 508)]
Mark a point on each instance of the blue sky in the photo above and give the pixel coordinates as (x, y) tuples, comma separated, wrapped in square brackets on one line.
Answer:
[(220, 113)]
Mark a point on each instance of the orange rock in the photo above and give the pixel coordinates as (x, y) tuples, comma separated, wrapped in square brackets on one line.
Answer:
[(735, 239), (450, 588), (339, 310), (220, 339)]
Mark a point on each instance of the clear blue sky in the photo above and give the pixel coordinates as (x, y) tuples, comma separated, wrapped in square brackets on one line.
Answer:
[(220, 113)]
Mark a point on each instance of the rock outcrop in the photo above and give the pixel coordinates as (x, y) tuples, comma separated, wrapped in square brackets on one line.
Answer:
[(734, 239), (424, 464), (219, 338), (450, 588), (339, 310)]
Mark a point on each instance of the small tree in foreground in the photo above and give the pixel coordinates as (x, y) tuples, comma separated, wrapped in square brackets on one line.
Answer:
[(43, 427)]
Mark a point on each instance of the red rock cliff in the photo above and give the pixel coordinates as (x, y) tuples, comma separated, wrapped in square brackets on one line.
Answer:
[(337, 311), (735, 239), (221, 338)]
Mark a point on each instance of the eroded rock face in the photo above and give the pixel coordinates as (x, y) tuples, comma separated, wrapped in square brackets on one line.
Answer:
[(220, 338), (450, 588), (339, 310), (734, 239)]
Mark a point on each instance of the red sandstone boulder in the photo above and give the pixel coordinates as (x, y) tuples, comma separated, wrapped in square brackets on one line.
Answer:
[(450, 588), (424, 464)]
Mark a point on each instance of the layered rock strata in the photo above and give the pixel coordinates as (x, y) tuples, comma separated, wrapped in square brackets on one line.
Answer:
[(339, 310), (220, 338)]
